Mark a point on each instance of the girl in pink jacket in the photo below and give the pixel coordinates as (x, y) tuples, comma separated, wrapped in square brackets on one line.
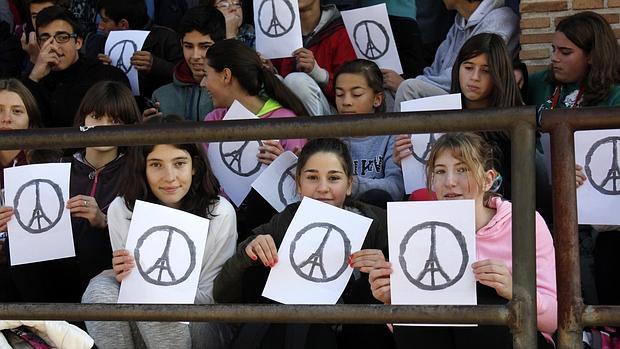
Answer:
[(460, 166)]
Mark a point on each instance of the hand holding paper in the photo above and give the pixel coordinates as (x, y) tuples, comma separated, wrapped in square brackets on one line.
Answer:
[(494, 273), (403, 148), (379, 278), (366, 259), (122, 264), (6, 213)]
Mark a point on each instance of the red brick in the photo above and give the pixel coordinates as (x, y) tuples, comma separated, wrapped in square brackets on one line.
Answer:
[(613, 3), (587, 4), (543, 6), (533, 23), (534, 54), (612, 18), (536, 38), (617, 32)]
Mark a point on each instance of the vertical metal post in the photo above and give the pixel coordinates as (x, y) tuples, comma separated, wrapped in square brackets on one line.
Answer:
[(570, 305), (523, 302)]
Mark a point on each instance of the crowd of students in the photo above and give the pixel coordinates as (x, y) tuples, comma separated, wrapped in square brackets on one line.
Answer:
[(55, 74)]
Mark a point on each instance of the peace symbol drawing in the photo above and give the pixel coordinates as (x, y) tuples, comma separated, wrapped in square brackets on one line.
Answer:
[(124, 50), (605, 183), (276, 21), (315, 266), (371, 38), (37, 219), (421, 157), (238, 162), (167, 269), (287, 189), (430, 274)]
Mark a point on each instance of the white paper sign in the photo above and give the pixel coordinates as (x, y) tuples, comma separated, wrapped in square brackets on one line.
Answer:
[(442, 102), (371, 34), (414, 175), (234, 163), (278, 27), (432, 247), (598, 198), (313, 258), (120, 47), (277, 183), (168, 246), (40, 229)]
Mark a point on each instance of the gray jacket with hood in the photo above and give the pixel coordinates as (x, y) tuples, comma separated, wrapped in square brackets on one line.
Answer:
[(490, 17)]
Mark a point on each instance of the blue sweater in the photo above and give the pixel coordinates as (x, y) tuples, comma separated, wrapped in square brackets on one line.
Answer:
[(373, 167)]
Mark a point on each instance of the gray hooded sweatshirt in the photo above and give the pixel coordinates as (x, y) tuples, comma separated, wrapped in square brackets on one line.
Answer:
[(490, 17)]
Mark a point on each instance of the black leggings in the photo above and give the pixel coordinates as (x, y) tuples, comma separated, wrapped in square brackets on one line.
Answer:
[(479, 337)]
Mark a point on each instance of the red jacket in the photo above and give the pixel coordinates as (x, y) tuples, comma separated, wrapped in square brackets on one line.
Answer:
[(331, 48)]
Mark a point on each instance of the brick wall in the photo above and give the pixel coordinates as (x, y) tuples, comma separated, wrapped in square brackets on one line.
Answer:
[(538, 20)]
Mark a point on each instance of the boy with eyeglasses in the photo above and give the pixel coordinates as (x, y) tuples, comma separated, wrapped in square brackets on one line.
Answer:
[(60, 77), (199, 29), (235, 28)]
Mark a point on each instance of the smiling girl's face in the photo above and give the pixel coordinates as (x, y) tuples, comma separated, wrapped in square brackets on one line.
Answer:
[(169, 173), (323, 178)]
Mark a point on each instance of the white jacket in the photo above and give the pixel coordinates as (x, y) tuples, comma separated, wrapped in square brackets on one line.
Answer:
[(220, 246), (58, 334)]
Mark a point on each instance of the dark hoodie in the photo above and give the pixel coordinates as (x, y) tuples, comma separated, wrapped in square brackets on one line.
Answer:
[(184, 96)]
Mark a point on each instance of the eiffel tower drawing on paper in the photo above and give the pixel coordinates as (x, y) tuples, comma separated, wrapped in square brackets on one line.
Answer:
[(316, 259), (275, 22), (235, 156), (163, 262), (37, 212), (432, 263), (120, 64), (614, 171), (371, 48)]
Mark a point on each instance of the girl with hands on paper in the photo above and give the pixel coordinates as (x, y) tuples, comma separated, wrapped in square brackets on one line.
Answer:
[(176, 176), (460, 167), (359, 90), (18, 111), (236, 72), (324, 173)]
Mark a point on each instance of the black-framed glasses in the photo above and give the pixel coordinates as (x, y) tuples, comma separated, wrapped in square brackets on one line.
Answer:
[(227, 4), (59, 37)]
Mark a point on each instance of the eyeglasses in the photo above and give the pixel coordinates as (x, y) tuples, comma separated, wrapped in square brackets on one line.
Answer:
[(60, 37), (227, 4)]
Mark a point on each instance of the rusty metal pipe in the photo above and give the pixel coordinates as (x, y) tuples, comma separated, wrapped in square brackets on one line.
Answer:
[(302, 127), (570, 304), (523, 303), (601, 315), (362, 313), (590, 118)]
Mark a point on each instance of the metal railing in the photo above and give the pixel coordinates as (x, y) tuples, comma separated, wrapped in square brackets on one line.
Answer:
[(573, 315), (519, 314)]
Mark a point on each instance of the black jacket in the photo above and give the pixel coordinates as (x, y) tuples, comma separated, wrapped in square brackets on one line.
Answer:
[(243, 280), (92, 245), (60, 93)]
